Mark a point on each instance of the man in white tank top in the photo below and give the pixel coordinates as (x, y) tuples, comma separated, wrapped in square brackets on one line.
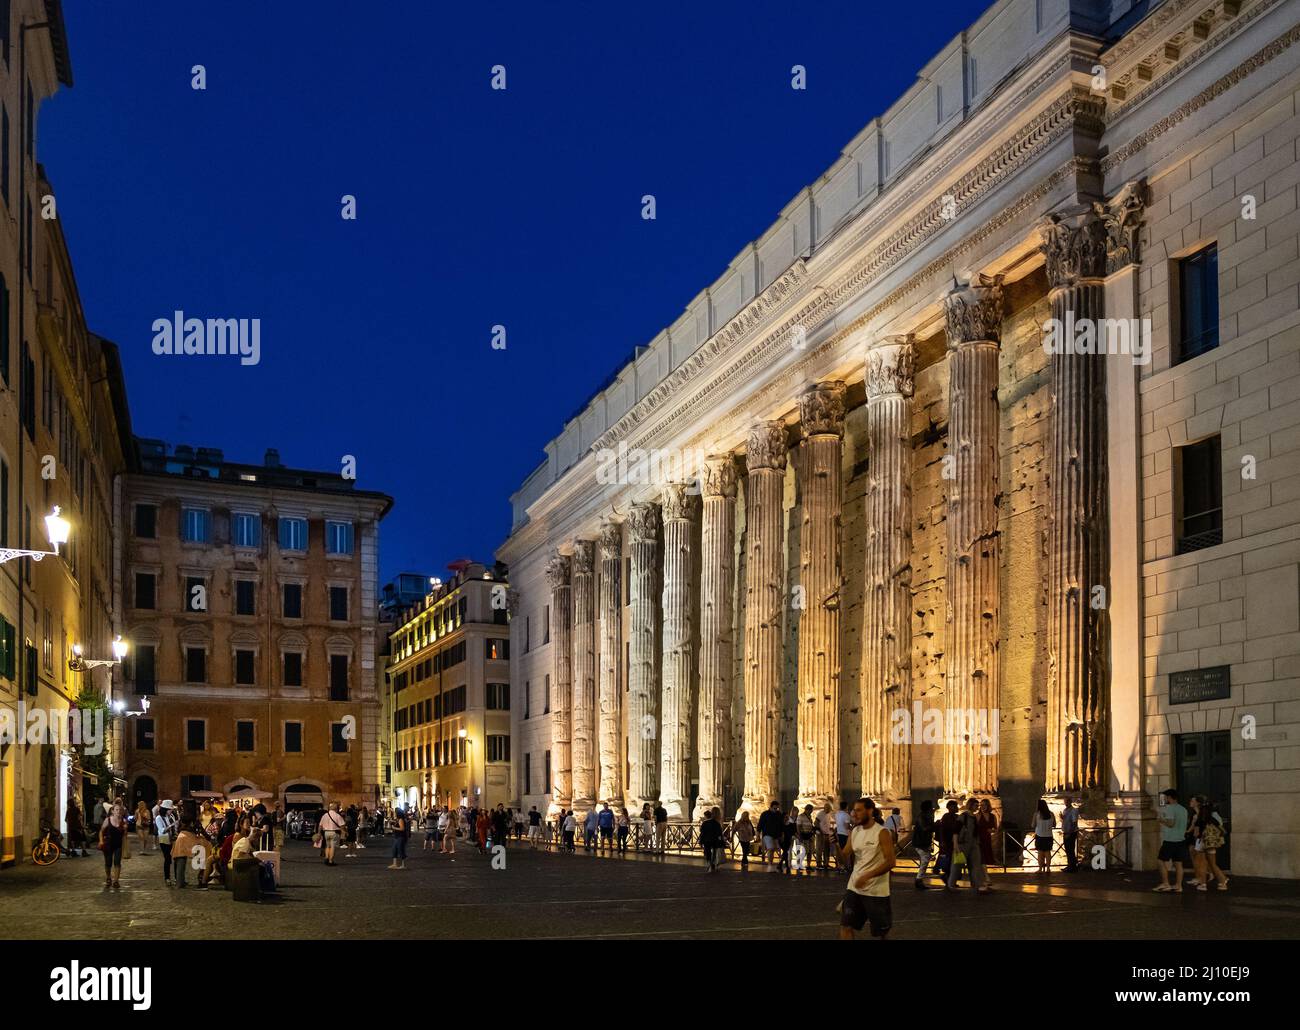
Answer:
[(870, 850)]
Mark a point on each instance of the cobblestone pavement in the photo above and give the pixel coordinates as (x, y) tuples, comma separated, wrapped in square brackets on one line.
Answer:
[(542, 894)]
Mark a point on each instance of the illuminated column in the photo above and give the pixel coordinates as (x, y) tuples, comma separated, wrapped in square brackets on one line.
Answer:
[(821, 417), (610, 787), (764, 606), (557, 574), (1078, 674), (717, 653), (643, 683), (584, 675), (971, 472), (887, 628), (680, 511)]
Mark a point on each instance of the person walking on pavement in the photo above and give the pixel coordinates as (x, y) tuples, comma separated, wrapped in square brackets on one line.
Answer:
[(1173, 841), (843, 825), (870, 852), (968, 845), (744, 833), (332, 827), (769, 831), (166, 824), (711, 839), (622, 826), (401, 833), (1070, 834), (987, 821), (590, 825), (661, 828), (112, 835), (923, 842), (605, 821), (1044, 828)]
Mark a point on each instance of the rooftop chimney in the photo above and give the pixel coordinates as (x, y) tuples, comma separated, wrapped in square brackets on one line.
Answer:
[(272, 459)]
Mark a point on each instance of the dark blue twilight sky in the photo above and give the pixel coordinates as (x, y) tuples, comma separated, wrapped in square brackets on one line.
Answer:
[(475, 207)]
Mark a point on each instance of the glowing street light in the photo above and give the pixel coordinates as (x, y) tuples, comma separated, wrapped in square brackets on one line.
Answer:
[(79, 664), (57, 529)]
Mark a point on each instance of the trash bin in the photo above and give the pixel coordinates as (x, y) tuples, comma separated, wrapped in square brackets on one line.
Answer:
[(245, 879)]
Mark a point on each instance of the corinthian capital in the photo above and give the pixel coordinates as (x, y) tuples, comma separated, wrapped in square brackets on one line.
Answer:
[(584, 557), (643, 522), (891, 367), (720, 476), (611, 540), (1123, 215), (557, 570), (1075, 246), (821, 410), (766, 448), (974, 311), (679, 502)]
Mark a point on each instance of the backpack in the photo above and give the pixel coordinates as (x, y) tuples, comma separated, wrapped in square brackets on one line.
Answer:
[(968, 835)]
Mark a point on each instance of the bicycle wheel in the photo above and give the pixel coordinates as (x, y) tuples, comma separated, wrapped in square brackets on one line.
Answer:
[(46, 852)]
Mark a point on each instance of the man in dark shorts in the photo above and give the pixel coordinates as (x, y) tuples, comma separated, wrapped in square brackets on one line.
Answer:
[(1173, 841), (870, 851)]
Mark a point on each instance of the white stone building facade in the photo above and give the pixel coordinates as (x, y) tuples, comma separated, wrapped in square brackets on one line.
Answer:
[(885, 495)]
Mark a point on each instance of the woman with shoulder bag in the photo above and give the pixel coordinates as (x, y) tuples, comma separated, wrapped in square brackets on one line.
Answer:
[(1210, 837), (165, 823)]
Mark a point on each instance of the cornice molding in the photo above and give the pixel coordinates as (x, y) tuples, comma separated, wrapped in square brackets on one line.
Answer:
[(1212, 92)]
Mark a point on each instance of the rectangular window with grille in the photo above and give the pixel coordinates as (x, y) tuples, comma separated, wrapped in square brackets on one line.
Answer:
[(1199, 498)]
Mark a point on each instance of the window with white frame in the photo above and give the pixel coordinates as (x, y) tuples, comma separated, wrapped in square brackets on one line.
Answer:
[(246, 529), (196, 525), (338, 537), (293, 534)]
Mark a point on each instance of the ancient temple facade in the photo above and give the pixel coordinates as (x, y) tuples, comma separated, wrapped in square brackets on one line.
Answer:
[(978, 474)]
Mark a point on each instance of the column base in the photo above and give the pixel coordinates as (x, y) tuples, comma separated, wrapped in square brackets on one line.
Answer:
[(1135, 811), (703, 805), (676, 809), (755, 805)]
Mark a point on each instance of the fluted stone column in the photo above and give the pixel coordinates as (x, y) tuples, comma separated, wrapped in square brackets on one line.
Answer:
[(717, 651), (1078, 678), (680, 512), (887, 629), (610, 787), (974, 315), (584, 675), (821, 417), (643, 683), (557, 575), (764, 607)]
